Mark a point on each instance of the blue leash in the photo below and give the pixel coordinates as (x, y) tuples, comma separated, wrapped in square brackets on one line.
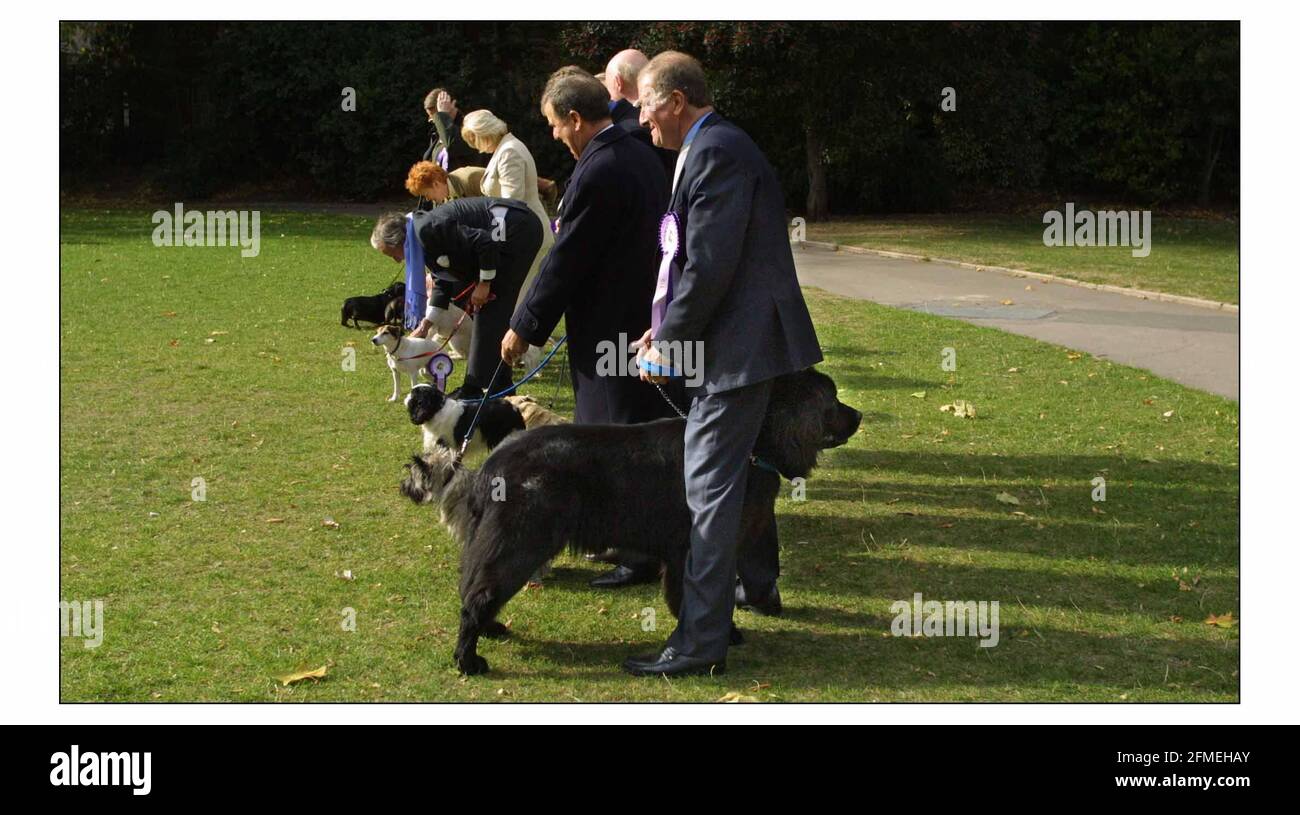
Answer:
[(531, 374)]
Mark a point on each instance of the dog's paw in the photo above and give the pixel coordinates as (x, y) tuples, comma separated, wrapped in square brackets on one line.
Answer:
[(494, 630), (393, 398), (472, 665)]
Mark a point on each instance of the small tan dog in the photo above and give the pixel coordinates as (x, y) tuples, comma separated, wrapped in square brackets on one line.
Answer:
[(534, 414)]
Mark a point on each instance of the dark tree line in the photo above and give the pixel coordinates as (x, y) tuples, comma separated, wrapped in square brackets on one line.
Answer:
[(850, 114)]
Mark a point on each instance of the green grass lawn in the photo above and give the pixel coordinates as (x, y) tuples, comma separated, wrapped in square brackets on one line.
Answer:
[(1189, 256), (183, 363)]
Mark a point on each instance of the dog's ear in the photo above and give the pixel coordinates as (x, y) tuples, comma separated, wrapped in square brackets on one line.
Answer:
[(792, 430)]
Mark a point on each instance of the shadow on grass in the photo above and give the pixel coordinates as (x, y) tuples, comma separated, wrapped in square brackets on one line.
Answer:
[(793, 660)]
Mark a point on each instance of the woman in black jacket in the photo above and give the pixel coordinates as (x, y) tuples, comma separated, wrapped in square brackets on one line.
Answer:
[(484, 243)]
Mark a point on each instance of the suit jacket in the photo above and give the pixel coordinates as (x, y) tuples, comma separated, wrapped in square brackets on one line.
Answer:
[(734, 283), (600, 275), (467, 182), (628, 116), (457, 236)]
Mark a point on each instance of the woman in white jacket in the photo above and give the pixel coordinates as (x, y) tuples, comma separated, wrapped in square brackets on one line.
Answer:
[(511, 173)]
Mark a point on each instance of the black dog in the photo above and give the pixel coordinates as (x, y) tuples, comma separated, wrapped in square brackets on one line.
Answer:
[(593, 487), (446, 421), (377, 308)]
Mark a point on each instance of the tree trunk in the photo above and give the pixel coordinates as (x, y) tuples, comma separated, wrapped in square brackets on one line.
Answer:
[(1211, 159), (818, 203)]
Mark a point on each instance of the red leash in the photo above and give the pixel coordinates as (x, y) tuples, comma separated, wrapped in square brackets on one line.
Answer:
[(465, 313)]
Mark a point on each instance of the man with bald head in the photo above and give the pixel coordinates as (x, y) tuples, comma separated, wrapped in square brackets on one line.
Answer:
[(621, 74), (620, 79)]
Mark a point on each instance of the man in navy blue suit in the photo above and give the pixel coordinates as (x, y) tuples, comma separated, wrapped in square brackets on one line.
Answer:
[(600, 274), (730, 292)]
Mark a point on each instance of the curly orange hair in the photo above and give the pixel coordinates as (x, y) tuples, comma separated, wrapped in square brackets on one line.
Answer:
[(422, 174)]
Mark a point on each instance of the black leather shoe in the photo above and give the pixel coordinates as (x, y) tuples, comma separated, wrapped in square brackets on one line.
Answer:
[(671, 663), (769, 606), (621, 576)]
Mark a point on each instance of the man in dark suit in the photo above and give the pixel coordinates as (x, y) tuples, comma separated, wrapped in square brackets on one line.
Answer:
[(600, 274), (733, 296)]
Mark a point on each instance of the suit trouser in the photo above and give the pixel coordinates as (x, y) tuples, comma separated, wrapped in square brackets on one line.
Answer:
[(492, 321), (721, 429)]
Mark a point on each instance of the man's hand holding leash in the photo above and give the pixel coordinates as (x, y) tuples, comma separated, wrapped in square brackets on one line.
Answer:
[(649, 360), (513, 347)]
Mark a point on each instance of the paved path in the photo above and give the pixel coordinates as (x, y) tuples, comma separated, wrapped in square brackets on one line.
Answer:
[(1188, 344)]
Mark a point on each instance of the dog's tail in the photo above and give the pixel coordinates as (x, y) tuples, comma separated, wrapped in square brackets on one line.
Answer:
[(437, 477)]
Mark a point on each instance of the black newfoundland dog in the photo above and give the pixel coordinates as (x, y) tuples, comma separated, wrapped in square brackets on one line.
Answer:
[(593, 487)]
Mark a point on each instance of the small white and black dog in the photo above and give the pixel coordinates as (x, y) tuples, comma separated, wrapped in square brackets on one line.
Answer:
[(406, 354), (445, 422)]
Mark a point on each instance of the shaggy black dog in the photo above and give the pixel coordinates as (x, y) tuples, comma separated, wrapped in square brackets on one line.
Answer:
[(377, 308), (593, 487)]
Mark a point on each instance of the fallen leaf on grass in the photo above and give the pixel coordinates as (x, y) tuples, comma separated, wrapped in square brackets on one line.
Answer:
[(1007, 498), (275, 520), (961, 409), (289, 679), (330, 522), (736, 696), (1222, 621), (919, 395)]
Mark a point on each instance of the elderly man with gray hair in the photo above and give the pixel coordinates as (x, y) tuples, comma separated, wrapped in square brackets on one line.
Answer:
[(728, 286)]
